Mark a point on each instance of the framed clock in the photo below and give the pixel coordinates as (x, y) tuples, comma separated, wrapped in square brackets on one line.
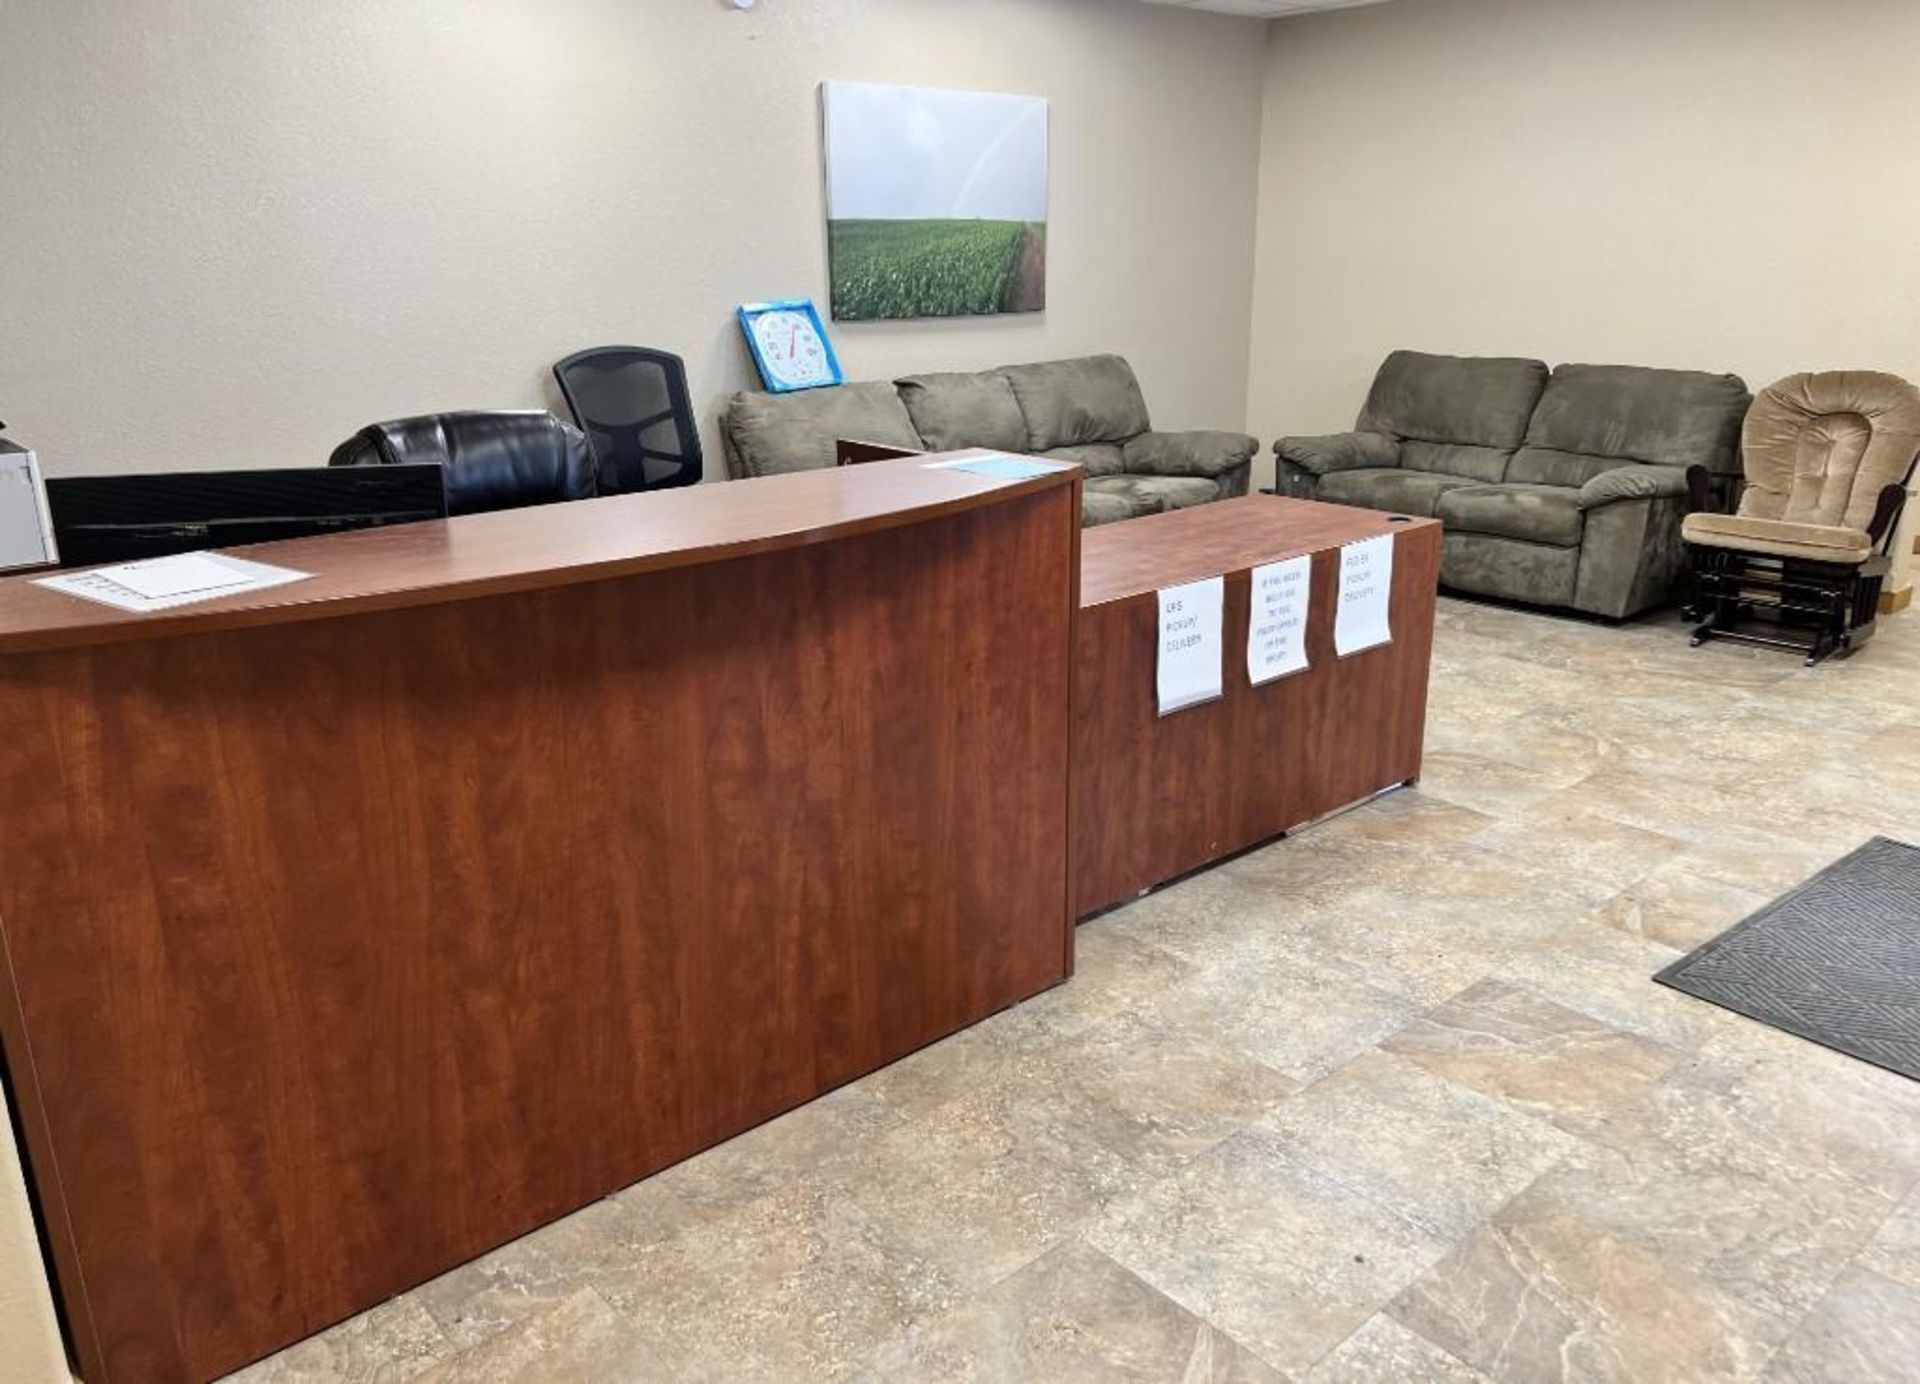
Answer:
[(790, 345)]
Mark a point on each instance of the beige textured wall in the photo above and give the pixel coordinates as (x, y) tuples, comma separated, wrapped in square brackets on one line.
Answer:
[(236, 230), (30, 1350), (233, 231), (1717, 184)]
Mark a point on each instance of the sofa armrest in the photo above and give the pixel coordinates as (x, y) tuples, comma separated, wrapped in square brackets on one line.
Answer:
[(1353, 451), (851, 451), (1635, 482), (1208, 454)]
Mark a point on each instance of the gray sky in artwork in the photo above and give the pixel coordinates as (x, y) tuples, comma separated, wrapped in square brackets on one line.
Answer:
[(896, 152)]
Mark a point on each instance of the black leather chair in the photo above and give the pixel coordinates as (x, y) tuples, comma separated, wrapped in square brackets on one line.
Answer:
[(633, 405), (492, 460)]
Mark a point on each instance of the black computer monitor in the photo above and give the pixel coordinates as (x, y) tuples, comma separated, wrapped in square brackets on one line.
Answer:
[(123, 518)]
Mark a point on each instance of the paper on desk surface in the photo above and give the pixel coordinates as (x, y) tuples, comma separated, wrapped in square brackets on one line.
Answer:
[(162, 583), (1000, 467), (158, 578)]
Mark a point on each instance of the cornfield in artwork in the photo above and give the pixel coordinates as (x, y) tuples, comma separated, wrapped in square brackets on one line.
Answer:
[(936, 268)]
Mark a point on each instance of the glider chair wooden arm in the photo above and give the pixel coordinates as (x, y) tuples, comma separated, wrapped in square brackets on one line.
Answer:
[(1886, 514), (1706, 491), (1715, 490), (1827, 459)]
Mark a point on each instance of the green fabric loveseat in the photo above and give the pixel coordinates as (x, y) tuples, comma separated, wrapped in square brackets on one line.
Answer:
[(1557, 489), (1088, 411)]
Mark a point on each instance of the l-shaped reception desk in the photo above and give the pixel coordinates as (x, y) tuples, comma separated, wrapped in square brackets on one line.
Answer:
[(358, 926)]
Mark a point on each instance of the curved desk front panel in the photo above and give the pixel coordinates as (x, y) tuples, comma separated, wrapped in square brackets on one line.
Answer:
[(361, 926)]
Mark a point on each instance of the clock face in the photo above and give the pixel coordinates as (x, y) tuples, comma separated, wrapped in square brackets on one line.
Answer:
[(794, 354)]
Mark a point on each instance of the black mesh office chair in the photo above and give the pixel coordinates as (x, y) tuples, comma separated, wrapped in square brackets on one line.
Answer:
[(632, 404)]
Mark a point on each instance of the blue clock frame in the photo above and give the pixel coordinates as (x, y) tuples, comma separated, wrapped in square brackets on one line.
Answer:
[(804, 306)]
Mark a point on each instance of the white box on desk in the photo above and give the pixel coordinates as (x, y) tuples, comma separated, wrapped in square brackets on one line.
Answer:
[(26, 526)]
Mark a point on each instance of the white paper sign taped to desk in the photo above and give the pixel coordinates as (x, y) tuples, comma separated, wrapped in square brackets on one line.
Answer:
[(1366, 591), (1277, 619), (1192, 654)]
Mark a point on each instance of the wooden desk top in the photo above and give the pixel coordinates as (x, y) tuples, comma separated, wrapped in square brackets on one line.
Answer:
[(1183, 545), (528, 549)]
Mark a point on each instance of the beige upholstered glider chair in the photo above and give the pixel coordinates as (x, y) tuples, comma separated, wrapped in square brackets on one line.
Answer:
[(1827, 459)]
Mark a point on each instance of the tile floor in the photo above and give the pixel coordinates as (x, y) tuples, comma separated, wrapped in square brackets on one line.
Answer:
[(1391, 1100)]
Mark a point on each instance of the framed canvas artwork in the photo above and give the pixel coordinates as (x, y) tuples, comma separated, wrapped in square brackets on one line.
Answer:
[(936, 201)]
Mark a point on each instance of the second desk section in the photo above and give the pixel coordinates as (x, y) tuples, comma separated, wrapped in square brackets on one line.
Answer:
[(1155, 797)]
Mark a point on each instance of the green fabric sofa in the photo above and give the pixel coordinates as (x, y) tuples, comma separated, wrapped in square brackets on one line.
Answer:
[(1088, 411), (1562, 488)]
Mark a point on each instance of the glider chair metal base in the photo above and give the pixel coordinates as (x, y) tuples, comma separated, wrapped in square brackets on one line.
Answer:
[(1835, 603)]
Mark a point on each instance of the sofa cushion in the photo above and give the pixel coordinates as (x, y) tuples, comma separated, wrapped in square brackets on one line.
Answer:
[(1155, 494), (1778, 537), (767, 434), (1068, 402), (1098, 507), (1121, 490), (1545, 466), (1673, 417), (1397, 491), (1099, 458), (964, 409), (1487, 464), (1536, 513), (1481, 400)]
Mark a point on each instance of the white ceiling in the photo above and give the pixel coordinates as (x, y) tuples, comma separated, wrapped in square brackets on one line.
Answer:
[(1264, 9)]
